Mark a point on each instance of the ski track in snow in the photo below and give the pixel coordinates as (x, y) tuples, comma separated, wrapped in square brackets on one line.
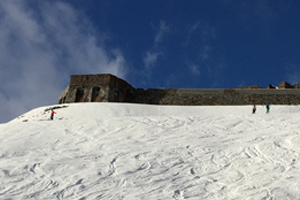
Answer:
[(123, 151)]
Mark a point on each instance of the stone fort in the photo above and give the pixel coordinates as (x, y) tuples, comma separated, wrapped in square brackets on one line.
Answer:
[(109, 88)]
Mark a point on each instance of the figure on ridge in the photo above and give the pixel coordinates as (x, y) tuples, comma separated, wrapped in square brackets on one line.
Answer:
[(253, 109), (267, 108), (52, 114)]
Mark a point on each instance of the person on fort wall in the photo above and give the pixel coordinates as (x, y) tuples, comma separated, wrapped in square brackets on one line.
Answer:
[(267, 108), (52, 114)]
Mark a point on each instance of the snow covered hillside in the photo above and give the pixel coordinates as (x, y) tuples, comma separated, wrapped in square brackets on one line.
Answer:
[(129, 151)]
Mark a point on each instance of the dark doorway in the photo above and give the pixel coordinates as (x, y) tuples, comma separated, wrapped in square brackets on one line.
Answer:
[(79, 95), (95, 94)]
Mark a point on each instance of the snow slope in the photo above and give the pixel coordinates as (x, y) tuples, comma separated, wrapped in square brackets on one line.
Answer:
[(129, 151)]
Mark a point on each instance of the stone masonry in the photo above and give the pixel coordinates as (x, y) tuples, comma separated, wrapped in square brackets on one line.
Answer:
[(96, 88), (109, 88)]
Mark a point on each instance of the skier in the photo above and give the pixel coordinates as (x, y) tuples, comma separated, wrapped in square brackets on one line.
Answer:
[(268, 108), (254, 109), (52, 114)]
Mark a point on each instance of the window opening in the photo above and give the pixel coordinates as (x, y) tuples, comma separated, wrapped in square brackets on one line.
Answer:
[(79, 95), (95, 94)]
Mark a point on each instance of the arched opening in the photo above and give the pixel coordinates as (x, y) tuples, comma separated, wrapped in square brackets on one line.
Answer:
[(95, 94), (79, 95)]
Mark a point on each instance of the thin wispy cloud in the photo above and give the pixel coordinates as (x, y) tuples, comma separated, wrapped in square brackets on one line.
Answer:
[(259, 11), (163, 29), (199, 50), (205, 53), (42, 45), (194, 26), (199, 30), (292, 73), (151, 56), (195, 69)]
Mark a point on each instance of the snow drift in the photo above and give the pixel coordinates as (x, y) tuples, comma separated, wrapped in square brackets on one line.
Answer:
[(130, 151)]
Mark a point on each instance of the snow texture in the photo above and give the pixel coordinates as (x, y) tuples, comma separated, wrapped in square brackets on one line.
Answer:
[(134, 151)]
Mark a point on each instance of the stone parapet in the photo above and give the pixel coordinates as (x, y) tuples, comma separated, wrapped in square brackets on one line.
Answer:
[(216, 96), (109, 88)]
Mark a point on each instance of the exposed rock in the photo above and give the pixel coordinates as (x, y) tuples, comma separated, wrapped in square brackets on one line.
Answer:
[(270, 86), (284, 85)]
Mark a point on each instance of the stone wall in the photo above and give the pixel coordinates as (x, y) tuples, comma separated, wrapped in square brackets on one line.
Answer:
[(109, 88), (119, 90), (217, 96), (96, 88)]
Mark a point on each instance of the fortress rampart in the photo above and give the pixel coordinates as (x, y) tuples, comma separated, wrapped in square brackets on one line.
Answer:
[(96, 88), (109, 88)]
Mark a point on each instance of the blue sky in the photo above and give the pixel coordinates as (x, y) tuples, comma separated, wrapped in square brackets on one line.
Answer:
[(151, 44)]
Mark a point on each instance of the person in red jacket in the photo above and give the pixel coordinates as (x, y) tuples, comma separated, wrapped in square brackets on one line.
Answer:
[(52, 114)]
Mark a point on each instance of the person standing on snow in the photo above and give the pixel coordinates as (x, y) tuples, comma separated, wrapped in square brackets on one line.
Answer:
[(52, 114), (254, 109), (268, 108)]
